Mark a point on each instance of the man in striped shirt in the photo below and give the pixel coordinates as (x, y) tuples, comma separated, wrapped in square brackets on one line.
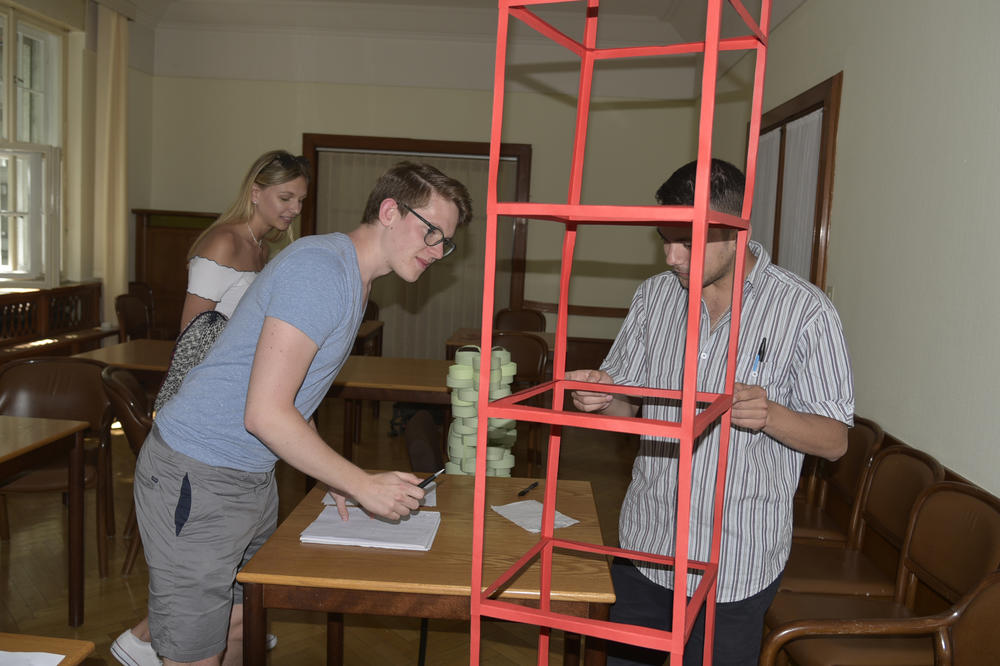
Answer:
[(799, 399)]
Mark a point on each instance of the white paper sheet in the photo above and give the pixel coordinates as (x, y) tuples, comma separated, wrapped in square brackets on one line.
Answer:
[(528, 514), (415, 532), (29, 658)]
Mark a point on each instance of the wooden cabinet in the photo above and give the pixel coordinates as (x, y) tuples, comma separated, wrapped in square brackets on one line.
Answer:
[(162, 241)]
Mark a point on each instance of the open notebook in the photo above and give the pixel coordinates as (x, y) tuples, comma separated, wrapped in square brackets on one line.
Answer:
[(415, 532)]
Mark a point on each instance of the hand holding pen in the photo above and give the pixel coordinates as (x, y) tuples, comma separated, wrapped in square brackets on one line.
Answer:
[(750, 403)]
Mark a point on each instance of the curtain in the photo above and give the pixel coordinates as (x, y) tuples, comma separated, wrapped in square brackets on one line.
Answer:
[(798, 193), (420, 317), (765, 190), (110, 168)]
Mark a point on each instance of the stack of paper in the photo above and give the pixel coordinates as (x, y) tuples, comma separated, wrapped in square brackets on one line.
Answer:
[(415, 532)]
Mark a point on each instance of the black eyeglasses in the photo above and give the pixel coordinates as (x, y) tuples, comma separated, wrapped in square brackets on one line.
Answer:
[(434, 235)]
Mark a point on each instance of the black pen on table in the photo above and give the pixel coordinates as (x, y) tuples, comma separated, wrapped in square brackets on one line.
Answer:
[(525, 491), (425, 482)]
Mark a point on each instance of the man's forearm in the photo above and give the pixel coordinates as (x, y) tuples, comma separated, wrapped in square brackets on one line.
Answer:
[(809, 433)]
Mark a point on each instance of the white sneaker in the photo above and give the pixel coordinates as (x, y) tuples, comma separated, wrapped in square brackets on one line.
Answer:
[(271, 641), (130, 650)]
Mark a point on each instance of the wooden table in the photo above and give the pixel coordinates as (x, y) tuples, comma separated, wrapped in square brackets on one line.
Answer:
[(75, 651), (142, 354), (26, 443), (286, 573), (384, 378), (154, 355)]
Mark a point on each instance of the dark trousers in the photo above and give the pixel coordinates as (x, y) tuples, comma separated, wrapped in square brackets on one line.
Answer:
[(738, 624)]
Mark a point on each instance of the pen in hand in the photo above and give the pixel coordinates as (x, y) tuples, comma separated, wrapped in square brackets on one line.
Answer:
[(426, 482), (525, 491)]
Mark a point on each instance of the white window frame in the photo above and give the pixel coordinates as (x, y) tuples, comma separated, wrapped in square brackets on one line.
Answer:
[(42, 258)]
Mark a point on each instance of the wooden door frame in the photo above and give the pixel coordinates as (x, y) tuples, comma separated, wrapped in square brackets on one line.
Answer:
[(521, 152), (825, 96)]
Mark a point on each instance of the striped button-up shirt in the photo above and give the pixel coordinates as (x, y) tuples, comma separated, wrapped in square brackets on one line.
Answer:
[(806, 369)]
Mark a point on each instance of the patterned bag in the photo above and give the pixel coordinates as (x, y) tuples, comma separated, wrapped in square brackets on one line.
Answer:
[(192, 345)]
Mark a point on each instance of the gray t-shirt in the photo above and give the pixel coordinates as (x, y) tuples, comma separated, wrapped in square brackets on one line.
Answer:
[(315, 285)]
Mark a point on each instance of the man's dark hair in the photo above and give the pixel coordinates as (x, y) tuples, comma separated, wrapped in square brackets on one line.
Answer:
[(726, 191)]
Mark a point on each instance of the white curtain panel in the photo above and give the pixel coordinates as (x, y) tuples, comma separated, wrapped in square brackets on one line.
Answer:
[(798, 202), (111, 218), (765, 189), (419, 317)]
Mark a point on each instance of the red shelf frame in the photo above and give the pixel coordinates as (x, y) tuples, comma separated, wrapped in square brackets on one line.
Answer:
[(698, 409)]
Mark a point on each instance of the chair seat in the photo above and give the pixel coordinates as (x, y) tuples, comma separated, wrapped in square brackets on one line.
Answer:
[(792, 606), (818, 568), (811, 522), (863, 651), (47, 479)]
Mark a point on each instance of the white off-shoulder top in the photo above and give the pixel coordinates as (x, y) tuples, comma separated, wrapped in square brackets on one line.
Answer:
[(215, 282)]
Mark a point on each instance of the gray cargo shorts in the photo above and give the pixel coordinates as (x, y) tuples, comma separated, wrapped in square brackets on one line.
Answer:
[(199, 525)]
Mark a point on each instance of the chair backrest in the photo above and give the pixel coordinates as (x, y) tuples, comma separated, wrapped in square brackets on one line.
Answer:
[(371, 314), (129, 404), (530, 352), (974, 627), (423, 443), (844, 476), (144, 292), (57, 387), (897, 476), (507, 319), (952, 542), (133, 317)]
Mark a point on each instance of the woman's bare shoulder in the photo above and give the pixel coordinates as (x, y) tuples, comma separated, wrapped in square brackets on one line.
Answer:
[(222, 245)]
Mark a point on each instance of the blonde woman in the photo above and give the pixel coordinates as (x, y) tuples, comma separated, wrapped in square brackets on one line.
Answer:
[(227, 256)]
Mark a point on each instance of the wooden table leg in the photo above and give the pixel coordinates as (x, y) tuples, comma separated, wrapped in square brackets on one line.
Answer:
[(596, 649), (571, 649), (76, 532), (352, 427), (334, 639), (254, 625)]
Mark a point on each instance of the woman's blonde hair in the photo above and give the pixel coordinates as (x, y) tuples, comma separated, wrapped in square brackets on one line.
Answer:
[(274, 167)]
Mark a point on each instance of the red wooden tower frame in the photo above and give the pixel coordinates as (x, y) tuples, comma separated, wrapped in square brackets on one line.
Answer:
[(694, 419)]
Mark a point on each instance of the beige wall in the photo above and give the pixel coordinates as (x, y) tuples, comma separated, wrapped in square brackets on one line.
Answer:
[(914, 227), (206, 131)]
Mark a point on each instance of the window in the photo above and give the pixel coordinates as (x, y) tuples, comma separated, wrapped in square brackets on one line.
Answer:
[(30, 122)]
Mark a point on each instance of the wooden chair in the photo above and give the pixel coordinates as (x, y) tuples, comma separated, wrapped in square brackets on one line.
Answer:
[(524, 319), (963, 634), (62, 388), (952, 544), (896, 477), (130, 405), (838, 484), (145, 293), (530, 352), (423, 444), (133, 318), (371, 314)]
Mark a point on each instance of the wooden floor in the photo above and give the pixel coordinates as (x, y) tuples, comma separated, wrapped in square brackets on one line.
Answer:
[(33, 564)]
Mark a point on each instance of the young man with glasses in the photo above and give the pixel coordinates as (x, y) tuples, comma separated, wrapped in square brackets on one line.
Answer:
[(794, 396), (204, 483)]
